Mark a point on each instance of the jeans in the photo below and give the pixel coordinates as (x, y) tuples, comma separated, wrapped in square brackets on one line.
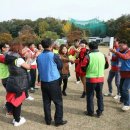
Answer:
[(51, 91), (90, 88), (125, 91), (113, 74)]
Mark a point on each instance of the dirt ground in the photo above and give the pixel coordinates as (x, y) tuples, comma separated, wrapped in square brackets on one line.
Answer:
[(113, 117)]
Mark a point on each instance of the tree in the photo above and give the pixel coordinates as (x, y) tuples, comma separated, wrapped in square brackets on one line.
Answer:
[(49, 34), (75, 35), (3, 29), (114, 26), (124, 32), (27, 35), (5, 37), (55, 25), (26, 29), (67, 27), (42, 27)]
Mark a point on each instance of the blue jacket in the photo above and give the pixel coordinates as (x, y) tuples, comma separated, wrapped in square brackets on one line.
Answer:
[(49, 65), (125, 64)]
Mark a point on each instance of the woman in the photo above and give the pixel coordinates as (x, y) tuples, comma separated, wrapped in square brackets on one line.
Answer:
[(17, 81), (83, 51), (65, 70)]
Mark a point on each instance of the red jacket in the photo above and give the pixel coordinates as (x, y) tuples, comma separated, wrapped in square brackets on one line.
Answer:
[(16, 101), (82, 54)]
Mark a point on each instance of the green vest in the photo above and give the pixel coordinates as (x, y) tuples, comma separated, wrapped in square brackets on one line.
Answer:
[(96, 65), (4, 73)]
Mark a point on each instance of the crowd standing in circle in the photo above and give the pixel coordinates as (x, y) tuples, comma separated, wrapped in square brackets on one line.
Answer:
[(19, 62)]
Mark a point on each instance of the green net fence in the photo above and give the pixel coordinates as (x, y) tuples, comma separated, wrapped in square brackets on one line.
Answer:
[(94, 26)]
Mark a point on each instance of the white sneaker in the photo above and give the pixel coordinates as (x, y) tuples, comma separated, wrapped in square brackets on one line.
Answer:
[(125, 108), (77, 82), (13, 121), (22, 121), (30, 98), (108, 94), (117, 97), (69, 77)]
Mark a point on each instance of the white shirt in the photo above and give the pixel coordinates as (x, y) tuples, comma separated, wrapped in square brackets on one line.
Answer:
[(19, 62)]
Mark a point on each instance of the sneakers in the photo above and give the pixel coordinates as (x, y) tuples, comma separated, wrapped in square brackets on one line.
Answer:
[(22, 121), (61, 123), (64, 93), (32, 90), (77, 82), (89, 114), (108, 94), (125, 108), (83, 94), (99, 115), (117, 97), (69, 77), (13, 121), (30, 98)]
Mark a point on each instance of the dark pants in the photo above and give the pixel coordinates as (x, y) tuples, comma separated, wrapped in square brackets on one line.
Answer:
[(38, 79), (91, 87), (65, 81), (51, 91), (125, 91), (16, 112), (7, 105), (111, 75), (33, 78)]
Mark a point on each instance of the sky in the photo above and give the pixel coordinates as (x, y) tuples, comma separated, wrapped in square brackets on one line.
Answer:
[(63, 9)]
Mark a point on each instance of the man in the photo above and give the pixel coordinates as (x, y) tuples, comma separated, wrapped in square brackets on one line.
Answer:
[(124, 59), (4, 72), (94, 65), (49, 65), (114, 72)]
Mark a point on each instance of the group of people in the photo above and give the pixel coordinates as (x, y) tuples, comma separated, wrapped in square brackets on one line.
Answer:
[(19, 62)]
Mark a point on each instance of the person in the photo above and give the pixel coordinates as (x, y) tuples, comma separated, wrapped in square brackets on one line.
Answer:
[(4, 73), (65, 70), (56, 48), (34, 50), (49, 65), (94, 64), (76, 46), (124, 59), (83, 51), (27, 54), (114, 72), (40, 50), (17, 81)]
